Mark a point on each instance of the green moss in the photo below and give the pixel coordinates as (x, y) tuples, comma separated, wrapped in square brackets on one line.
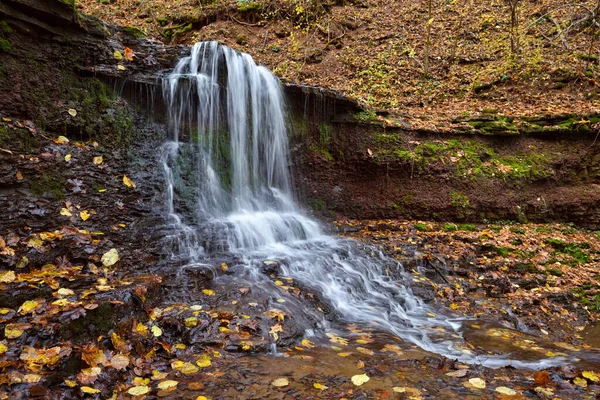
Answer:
[(542, 229), (248, 6), (367, 117), (162, 21), (135, 32), (5, 29), (575, 250), (468, 227), (554, 271), (318, 205), (450, 227), (5, 46), (459, 200), (47, 185), (517, 230), (526, 268), (421, 227), (325, 131)]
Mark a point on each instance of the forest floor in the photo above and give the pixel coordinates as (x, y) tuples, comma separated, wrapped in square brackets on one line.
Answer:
[(85, 309), (376, 51)]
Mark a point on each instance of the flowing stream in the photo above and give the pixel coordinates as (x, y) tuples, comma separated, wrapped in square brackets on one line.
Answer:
[(229, 194)]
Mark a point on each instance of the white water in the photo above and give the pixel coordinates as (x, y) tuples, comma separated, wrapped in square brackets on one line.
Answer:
[(228, 165)]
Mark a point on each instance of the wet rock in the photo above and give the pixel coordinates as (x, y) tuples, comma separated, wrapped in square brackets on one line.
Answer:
[(270, 267)]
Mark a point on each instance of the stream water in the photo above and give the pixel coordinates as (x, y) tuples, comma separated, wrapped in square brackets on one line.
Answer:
[(229, 196)]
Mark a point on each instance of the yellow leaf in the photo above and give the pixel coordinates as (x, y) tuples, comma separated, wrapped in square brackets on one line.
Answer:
[(477, 383), (3, 348), (28, 306), (90, 390), (70, 383), (360, 379), (120, 67), (591, 375), (208, 292), (430, 21), (65, 292), (505, 390), (454, 306), (68, 157), (320, 386), (35, 242), (138, 390), (141, 329), (279, 283), (128, 182), (65, 212), (19, 176), (280, 382), (117, 54), (156, 331), (164, 385), (189, 368), (580, 382), (62, 139), (191, 322), (7, 277), (32, 378), (139, 381), (203, 361), (97, 160), (72, 112), (110, 257), (85, 214), (344, 354), (307, 343), (101, 190), (202, 398)]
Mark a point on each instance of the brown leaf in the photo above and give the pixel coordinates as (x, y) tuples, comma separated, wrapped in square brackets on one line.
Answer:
[(541, 378)]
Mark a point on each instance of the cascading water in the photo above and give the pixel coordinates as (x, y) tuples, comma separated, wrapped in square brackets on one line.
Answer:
[(227, 167)]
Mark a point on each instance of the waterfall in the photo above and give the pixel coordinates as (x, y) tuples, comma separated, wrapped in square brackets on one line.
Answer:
[(227, 170)]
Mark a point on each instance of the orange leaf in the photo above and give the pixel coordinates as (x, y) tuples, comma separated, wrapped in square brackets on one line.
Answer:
[(541, 378), (128, 54)]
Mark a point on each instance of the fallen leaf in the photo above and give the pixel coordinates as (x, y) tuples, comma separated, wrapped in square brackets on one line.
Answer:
[(541, 378), (458, 374), (138, 390), (590, 375), (68, 157), (128, 54), (97, 160), (19, 176), (320, 386), (203, 361), (477, 383), (164, 385), (156, 331), (128, 182), (28, 306), (110, 257), (3, 348), (360, 379), (72, 112), (580, 382), (505, 390), (189, 368), (65, 212), (119, 362), (280, 382), (7, 277), (90, 390), (85, 214), (208, 292), (117, 54), (120, 67)]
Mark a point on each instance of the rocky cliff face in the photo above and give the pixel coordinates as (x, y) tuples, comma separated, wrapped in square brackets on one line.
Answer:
[(362, 164)]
